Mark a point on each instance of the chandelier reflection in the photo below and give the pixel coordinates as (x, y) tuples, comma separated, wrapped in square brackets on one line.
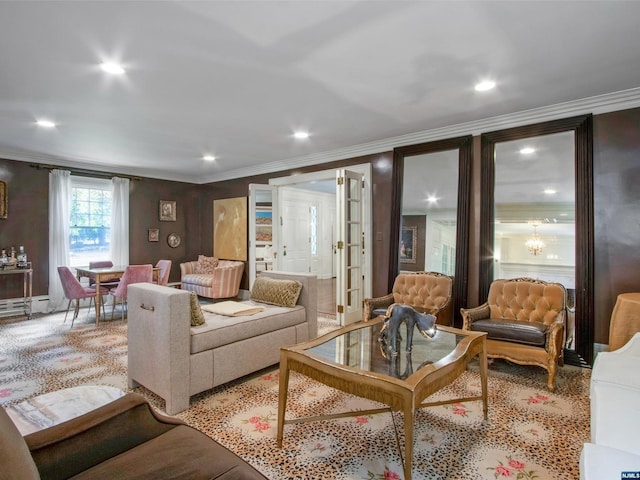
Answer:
[(535, 243)]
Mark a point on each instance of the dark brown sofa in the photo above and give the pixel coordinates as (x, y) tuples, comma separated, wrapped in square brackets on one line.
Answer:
[(124, 439)]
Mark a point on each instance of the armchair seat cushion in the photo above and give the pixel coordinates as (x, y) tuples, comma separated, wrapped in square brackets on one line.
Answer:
[(508, 330), (200, 279)]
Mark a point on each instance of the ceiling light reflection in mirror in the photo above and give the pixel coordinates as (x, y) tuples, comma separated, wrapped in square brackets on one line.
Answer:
[(535, 182), (429, 202)]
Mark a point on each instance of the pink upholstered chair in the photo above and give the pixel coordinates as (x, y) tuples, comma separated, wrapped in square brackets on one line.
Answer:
[(132, 274), (165, 270), (73, 290)]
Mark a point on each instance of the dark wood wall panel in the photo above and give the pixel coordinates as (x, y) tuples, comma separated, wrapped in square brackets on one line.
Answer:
[(616, 150)]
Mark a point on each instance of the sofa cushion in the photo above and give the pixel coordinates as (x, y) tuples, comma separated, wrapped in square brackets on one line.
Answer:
[(197, 318), (222, 330), (206, 265), (518, 331), (275, 291)]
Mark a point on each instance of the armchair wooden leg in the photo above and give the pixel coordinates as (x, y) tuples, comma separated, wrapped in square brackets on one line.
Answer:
[(552, 375)]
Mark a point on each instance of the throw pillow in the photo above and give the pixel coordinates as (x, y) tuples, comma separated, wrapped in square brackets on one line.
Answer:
[(276, 291), (206, 265), (197, 318)]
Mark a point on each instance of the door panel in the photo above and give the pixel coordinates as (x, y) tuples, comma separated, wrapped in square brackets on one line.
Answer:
[(350, 250), (294, 254)]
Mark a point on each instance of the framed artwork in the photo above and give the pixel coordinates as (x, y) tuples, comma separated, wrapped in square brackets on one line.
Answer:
[(167, 211), (408, 239), (230, 228), (154, 235), (264, 226), (4, 209)]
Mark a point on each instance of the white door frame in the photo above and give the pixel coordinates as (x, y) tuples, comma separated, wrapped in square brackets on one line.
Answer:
[(365, 170)]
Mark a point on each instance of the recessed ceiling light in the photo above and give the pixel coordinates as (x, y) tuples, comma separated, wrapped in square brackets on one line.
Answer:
[(550, 191), (46, 123), (486, 85), (113, 68), (300, 135), (209, 158), (527, 150)]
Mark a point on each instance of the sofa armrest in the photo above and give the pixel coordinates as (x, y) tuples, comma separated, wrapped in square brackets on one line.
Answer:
[(159, 334), (371, 304), (71, 447), (470, 315), (187, 268)]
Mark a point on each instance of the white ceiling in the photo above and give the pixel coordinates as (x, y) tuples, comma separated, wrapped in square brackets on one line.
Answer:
[(236, 78)]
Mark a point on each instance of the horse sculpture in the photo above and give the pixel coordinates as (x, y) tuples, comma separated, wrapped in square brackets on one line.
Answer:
[(398, 314)]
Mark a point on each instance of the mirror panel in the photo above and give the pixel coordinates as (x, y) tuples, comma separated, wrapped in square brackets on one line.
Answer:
[(535, 212), (441, 168), (582, 165), (429, 212)]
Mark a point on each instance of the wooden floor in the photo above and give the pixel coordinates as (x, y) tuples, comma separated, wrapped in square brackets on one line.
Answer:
[(327, 296)]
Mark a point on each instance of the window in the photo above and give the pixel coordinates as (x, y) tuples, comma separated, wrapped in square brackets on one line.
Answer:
[(90, 222)]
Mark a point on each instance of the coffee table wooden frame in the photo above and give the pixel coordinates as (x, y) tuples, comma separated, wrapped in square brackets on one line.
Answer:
[(400, 395)]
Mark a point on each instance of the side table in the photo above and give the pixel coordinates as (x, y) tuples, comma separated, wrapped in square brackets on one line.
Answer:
[(27, 291), (625, 320)]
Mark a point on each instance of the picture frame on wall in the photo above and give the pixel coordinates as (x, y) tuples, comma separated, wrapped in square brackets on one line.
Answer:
[(3, 200), (408, 239), (154, 235), (167, 211)]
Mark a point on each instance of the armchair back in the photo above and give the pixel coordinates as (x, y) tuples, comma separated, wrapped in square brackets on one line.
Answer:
[(527, 299)]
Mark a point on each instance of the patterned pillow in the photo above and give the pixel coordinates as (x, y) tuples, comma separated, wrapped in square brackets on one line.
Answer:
[(275, 291), (206, 265), (197, 318)]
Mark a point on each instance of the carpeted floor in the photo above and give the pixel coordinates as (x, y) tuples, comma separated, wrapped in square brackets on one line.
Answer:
[(531, 433)]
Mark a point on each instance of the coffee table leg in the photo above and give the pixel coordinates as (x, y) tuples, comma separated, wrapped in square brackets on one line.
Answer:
[(408, 442), (282, 395), (483, 378)]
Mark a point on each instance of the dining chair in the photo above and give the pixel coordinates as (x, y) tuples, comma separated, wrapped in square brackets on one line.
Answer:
[(109, 283), (74, 290), (132, 274), (165, 270)]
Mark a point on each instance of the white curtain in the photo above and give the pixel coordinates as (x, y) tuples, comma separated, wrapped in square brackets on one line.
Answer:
[(59, 214), (120, 222)]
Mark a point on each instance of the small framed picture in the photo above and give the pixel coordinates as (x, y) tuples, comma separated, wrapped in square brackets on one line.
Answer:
[(154, 235), (167, 211)]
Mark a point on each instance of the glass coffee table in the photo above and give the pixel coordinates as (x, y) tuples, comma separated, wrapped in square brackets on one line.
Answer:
[(351, 360)]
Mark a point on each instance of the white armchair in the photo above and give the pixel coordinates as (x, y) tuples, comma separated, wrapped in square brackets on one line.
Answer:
[(615, 415)]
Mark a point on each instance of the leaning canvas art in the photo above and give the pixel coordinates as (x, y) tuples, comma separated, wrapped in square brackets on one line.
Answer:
[(230, 228)]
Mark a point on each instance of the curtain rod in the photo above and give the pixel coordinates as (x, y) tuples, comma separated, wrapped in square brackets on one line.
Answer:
[(83, 172)]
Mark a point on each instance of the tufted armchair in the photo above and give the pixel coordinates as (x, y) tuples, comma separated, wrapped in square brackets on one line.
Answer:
[(224, 282), (524, 319), (426, 292)]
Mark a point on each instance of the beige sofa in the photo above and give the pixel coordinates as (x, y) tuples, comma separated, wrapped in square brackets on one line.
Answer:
[(176, 360)]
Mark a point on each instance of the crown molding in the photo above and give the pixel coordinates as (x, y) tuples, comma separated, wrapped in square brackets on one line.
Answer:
[(600, 104)]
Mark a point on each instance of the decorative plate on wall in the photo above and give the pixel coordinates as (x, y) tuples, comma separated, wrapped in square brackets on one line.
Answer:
[(173, 240)]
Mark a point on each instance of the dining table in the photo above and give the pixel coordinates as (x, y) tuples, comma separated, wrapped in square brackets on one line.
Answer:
[(106, 273)]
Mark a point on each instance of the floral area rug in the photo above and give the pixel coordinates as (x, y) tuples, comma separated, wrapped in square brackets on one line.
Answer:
[(531, 433)]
